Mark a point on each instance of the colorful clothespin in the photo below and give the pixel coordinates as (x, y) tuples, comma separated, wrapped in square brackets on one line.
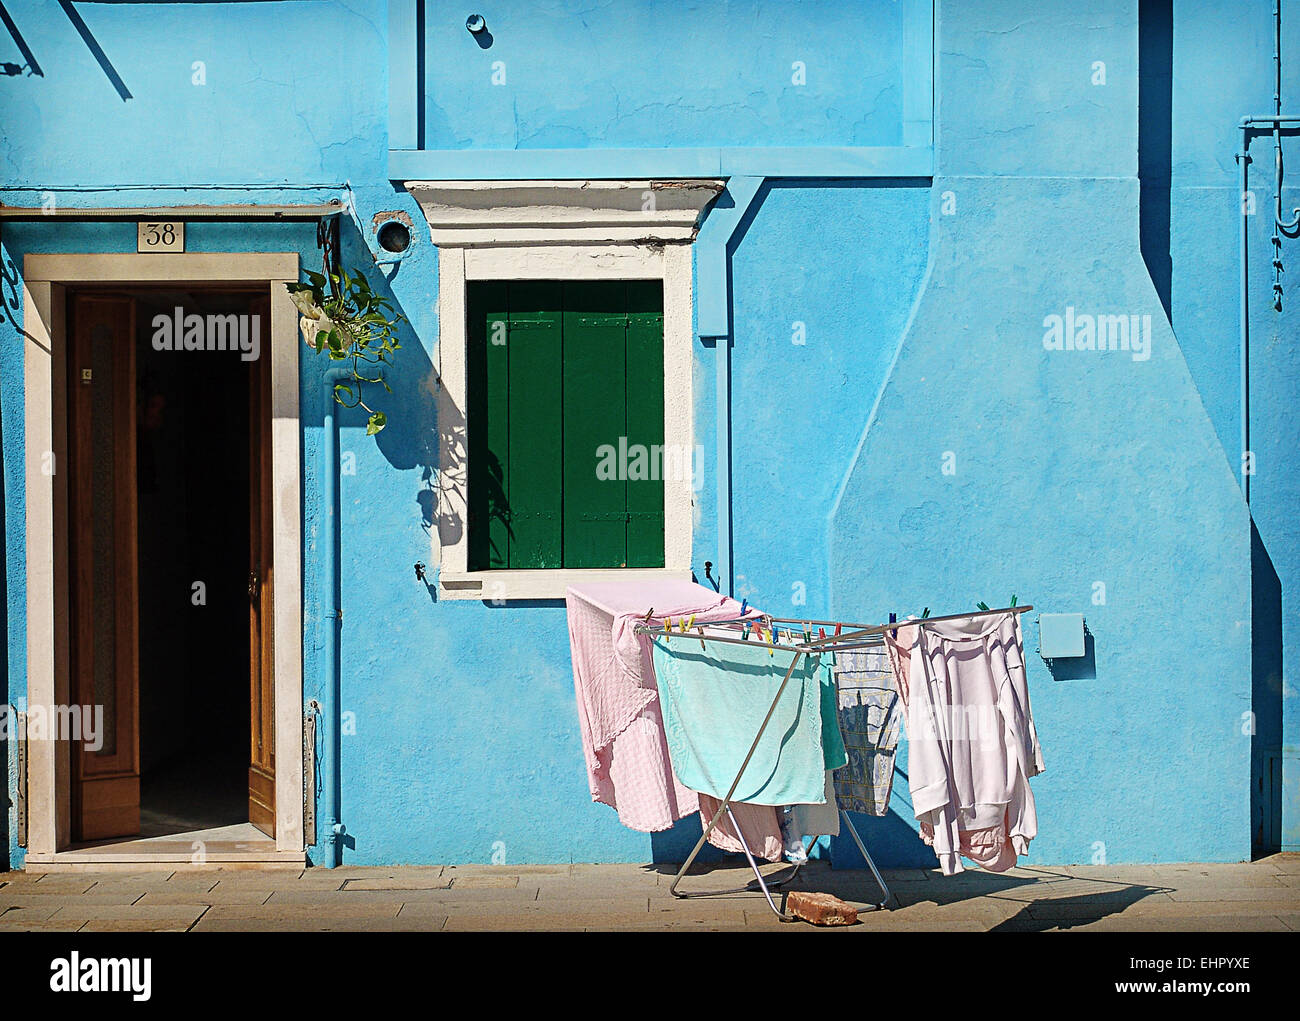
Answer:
[(668, 629), (821, 633), (981, 605), (838, 628), (744, 632), (744, 607), (700, 631)]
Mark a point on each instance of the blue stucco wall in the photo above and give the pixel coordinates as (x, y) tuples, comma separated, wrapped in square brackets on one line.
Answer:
[(921, 304)]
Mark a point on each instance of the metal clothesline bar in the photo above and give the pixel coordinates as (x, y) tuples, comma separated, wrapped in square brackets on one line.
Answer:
[(880, 629), (696, 634)]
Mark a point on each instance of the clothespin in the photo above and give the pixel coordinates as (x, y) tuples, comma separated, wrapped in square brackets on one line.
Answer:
[(838, 628), (691, 623), (893, 618), (821, 633), (925, 613), (982, 606), (648, 614), (744, 607), (700, 631), (668, 629), (744, 632), (1013, 599), (682, 624)]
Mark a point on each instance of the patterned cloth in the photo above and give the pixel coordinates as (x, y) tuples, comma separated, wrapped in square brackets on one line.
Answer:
[(871, 715)]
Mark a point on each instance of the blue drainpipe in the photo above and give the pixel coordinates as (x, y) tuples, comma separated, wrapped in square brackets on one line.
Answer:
[(331, 679)]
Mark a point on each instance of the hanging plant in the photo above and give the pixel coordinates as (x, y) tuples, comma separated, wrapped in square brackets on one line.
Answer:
[(343, 317)]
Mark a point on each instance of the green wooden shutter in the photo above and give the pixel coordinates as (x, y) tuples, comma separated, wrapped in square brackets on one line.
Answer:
[(536, 437), (487, 419), (580, 373), (645, 422)]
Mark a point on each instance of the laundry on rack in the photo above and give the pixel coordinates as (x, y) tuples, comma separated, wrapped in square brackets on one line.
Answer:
[(760, 828), (619, 717), (972, 744), (820, 819), (870, 718), (714, 701)]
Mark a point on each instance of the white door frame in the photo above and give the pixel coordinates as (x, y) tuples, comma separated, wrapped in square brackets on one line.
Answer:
[(47, 278)]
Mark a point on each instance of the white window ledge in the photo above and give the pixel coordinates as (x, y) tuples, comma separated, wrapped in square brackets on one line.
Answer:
[(491, 586)]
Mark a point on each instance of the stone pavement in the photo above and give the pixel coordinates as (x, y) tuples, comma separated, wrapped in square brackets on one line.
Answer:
[(1253, 896)]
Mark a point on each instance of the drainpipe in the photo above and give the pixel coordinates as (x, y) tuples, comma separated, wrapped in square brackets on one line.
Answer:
[(331, 687), (1243, 160), (1249, 124)]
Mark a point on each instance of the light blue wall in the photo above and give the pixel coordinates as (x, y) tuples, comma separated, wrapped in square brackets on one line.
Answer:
[(922, 307), (705, 72)]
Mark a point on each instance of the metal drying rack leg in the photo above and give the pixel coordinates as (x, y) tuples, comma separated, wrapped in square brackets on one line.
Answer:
[(884, 890)]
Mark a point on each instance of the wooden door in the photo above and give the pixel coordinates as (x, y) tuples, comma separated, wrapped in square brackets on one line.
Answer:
[(261, 753), (103, 657)]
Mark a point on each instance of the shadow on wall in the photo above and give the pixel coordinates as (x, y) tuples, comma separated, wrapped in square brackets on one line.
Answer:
[(411, 438), (1155, 139), (1265, 701), (1082, 668)]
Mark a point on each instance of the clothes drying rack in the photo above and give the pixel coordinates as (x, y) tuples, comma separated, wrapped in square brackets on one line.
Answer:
[(845, 638)]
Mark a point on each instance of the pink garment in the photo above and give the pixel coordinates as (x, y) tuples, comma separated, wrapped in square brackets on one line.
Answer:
[(758, 823), (972, 741), (623, 743)]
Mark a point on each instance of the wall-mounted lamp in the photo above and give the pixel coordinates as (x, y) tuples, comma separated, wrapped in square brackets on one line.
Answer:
[(476, 24)]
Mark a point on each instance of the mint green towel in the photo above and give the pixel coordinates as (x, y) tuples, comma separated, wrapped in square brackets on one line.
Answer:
[(714, 700)]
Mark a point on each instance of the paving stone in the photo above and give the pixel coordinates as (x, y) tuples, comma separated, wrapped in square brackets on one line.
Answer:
[(171, 913), (396, 881), (230, 896), (54, 924), (55, 883), (124, 898), (482, 882), (1288, 895), (363, 924), (289, 913), (37, 911), (135, 925)]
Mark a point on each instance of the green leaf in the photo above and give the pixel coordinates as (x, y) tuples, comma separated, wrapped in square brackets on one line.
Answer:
[(377, 422)]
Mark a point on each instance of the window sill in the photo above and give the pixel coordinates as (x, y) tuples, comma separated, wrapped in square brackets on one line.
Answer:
[(503, 586)]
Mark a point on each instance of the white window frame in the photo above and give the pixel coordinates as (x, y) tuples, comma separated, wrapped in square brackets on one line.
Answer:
[(559, 230)]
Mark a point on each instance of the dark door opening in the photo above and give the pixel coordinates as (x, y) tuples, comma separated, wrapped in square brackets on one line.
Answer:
[(190, 731)]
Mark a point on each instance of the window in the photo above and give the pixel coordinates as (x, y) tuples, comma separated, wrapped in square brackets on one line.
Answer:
[(565, 414)]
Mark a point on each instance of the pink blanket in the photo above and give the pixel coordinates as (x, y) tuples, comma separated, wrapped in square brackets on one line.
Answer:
[(618, 704)]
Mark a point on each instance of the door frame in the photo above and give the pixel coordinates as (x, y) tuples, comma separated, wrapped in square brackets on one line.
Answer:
[(47, 278)]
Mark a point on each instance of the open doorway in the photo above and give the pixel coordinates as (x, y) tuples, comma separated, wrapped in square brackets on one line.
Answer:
[(170, 548)]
